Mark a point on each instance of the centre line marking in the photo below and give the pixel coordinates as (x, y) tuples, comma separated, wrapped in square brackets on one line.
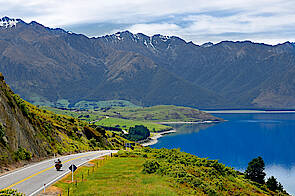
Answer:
[(44, 171)]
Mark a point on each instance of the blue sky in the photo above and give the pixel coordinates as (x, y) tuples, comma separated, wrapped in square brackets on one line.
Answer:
[(200, 21)]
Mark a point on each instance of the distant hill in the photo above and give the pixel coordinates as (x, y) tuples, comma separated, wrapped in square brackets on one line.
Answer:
[(162, 113), (46, 65), (27, 132)]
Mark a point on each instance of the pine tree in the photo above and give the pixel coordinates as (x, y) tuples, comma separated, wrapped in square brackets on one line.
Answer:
[(255, 170), (272, 183)]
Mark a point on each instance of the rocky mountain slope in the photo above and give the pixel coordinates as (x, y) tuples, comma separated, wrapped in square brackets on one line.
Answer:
[(43, 64), (27, 132), (246, 74), (51, 64)]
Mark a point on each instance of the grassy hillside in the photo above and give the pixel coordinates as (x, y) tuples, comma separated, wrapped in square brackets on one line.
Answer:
[(28, 132), (148, 171), (118, 176), (162, 113)]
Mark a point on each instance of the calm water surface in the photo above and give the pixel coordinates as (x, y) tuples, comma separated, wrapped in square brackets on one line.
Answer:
[(240, 139)]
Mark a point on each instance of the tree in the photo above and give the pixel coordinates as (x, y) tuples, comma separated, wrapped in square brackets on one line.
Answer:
[(255, 170), (273, 184), (280, 187), (139, 132)]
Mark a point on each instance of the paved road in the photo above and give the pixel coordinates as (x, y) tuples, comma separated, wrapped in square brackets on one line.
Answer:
[(31, 179)]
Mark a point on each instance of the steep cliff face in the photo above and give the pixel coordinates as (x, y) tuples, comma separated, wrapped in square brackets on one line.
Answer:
[(27, 132), (16, 130)]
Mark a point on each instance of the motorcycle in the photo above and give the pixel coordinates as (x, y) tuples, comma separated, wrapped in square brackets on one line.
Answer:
[(58, 165)]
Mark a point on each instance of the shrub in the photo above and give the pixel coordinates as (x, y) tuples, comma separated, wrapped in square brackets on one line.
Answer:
[(150, 166), (93, 142), (24, 109), (10, 192), (22, 154), (22, 105)]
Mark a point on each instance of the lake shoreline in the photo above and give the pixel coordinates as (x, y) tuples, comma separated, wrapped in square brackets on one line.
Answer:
[(248, 111), (154, 139)]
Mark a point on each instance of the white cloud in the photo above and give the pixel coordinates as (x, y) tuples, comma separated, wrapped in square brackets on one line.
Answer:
[(196, 20), (286, 176)]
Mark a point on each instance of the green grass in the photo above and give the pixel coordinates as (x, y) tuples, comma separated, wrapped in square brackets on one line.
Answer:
[(119, 176), (126, 124)]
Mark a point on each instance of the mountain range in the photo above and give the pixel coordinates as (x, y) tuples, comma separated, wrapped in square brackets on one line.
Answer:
[(46, 65)]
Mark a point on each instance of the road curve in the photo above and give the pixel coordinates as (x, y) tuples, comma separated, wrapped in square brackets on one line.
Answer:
[(31, 179)]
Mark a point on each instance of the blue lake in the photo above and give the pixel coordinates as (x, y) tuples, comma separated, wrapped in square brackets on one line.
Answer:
[(240, 139)]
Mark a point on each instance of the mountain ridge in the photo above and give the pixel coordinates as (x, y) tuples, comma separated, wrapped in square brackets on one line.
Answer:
[(139, 68)]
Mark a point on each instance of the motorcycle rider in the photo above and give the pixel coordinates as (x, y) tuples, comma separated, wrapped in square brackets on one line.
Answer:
[(58, 164), (58, 161)]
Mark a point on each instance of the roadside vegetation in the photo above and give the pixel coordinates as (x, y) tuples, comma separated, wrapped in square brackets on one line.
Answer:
[(10, 192), (147, 171)]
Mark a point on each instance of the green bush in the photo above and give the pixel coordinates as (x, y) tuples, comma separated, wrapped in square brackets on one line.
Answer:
[(150, 166), (93, 142), (22, 154), (10, 192), (22, 105)]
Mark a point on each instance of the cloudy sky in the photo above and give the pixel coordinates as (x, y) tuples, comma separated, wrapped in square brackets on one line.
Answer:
[(200, 21)]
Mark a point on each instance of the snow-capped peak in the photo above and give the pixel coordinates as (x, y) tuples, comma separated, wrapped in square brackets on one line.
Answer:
[(164, 37), (8, 22), (118, 35)]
